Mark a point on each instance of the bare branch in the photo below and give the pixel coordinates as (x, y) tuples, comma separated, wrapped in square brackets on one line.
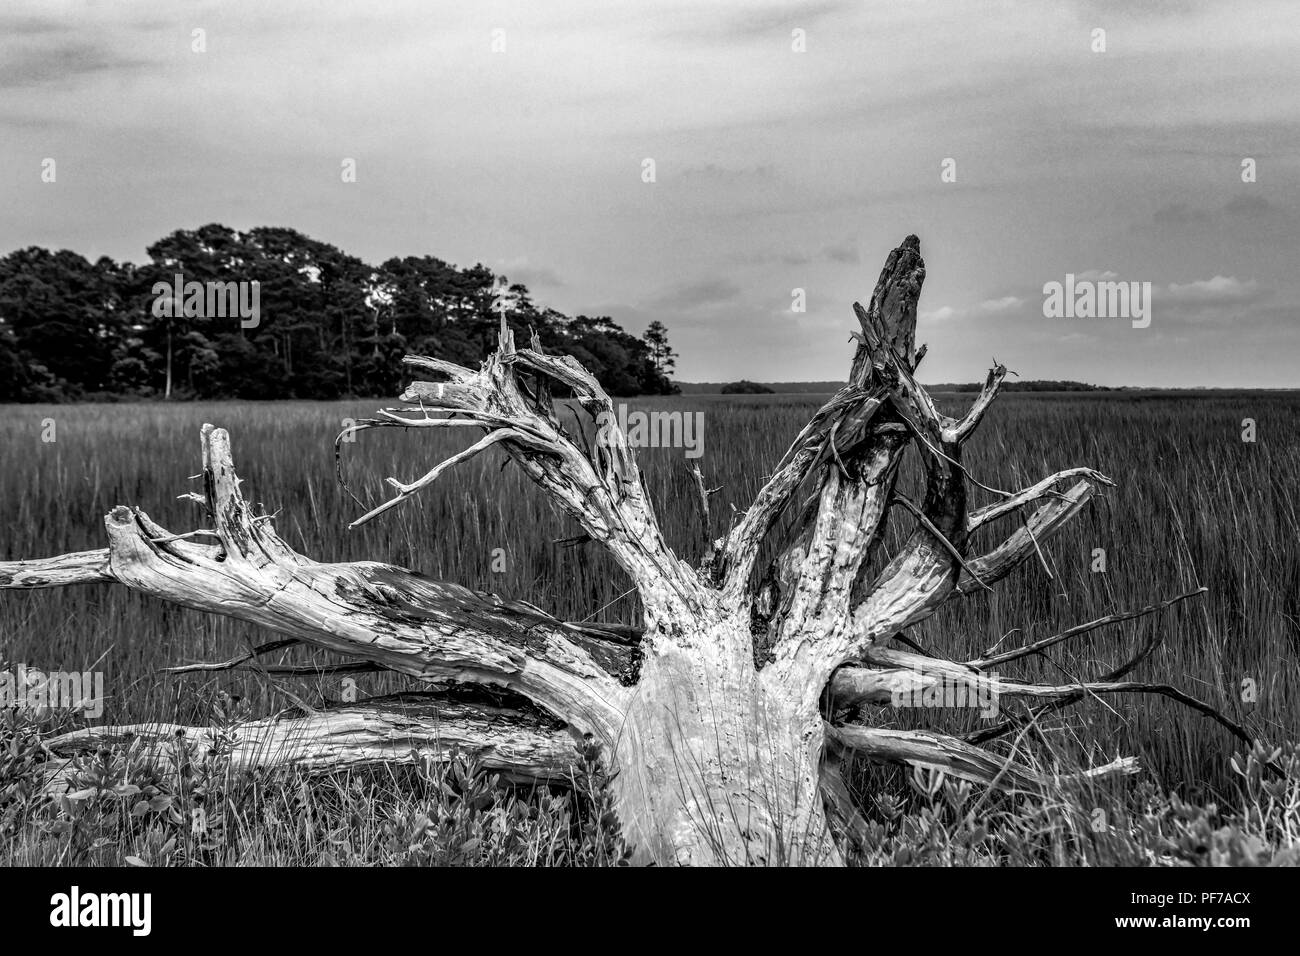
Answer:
[(963, 429), (939, 536), (741, 547), (892, 676), (377, 613), (931, 751), (819, 570), (843, 428), (520, 744), (924, 573), (992, 660), (703, 495), (846, 821), (601, 489), (81, 567), (1035, 492), (276, 670), (406, 491), (268, 648), (1002, 560)]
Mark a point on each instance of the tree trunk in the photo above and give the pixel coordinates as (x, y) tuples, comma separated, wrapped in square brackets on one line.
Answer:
[(167, 388), (715, 764)]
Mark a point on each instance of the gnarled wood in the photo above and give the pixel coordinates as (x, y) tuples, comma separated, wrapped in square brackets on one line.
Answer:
[(712, 712), (522, 745), (932, 751), (81, 567)]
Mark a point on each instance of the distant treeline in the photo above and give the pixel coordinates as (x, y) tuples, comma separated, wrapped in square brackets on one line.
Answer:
[(319, 323), (827, 388), (745, 387), (719, 388), (1033, 385)]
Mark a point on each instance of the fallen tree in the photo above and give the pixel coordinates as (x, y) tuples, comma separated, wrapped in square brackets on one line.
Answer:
[(725, 716)]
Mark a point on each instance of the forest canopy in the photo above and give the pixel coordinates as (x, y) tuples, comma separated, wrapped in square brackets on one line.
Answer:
[(318, 324)]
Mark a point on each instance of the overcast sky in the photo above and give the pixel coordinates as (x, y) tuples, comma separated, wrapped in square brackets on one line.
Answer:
[(774, 169)]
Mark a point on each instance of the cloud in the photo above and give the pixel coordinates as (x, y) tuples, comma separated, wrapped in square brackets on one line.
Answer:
[(776, 169), (941, 314), (1175, 215), (34, 66), (522, 271), (1007, 303), (1148, 9), (1248, 206), (755, 21), (16, 121), (844, 252), (712, 172), (695, 295), (1207, 293), (1234, 303), (33, 26), (1178, 214)]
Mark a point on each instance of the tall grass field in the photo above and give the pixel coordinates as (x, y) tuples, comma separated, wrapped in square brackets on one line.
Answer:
[(1194, 504)]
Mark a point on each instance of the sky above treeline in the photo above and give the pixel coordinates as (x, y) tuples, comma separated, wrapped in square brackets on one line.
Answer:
[(517, 134)]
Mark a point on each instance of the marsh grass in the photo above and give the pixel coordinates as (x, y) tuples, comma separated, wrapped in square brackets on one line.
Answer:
[(1194, 505)]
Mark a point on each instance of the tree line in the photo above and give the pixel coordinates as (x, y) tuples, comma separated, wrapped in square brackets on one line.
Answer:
[(294, 318)]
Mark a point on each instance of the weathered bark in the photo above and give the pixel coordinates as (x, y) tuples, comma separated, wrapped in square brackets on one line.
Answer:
[(518, 744), (711, 715), (937, 752), (717, 763)]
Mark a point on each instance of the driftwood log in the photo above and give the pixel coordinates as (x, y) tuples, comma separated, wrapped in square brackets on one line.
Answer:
[(719, 714)]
